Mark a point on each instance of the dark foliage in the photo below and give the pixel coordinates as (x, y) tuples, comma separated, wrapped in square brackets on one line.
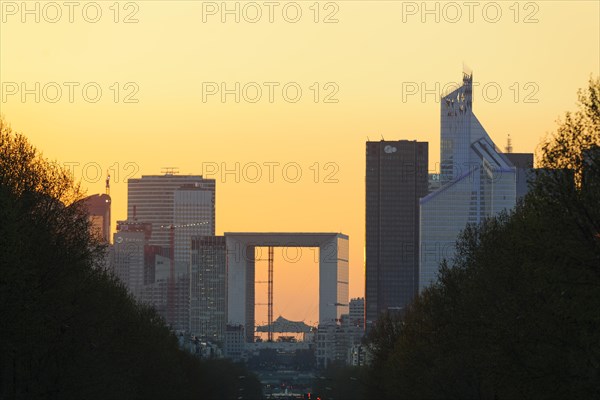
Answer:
[(68, 329), (515, 314)]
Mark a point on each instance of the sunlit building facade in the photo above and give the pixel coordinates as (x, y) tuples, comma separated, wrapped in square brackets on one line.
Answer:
[(158, 199), (477, 181), (193, 215), (98, 206)]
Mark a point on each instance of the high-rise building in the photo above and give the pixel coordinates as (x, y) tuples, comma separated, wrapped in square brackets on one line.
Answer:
[(396, 178), (98, 206), (193, 215), (477, 181), (208, 282), (156, 293), (177, 207), (128, 262), (357, 312), (158, 198)]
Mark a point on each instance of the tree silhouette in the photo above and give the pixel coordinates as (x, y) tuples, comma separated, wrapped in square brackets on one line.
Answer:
[(515, 313), (68, 328)]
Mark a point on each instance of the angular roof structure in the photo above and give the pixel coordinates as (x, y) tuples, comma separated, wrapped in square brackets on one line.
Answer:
[(282, 325)]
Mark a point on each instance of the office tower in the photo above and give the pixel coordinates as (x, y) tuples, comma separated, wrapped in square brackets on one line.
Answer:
[(129, 254), (177, 207), (396, 178), (208, 282), (98, 207), (477, 180), (357, 312), (156, 293), (193, 215), (153, 199)]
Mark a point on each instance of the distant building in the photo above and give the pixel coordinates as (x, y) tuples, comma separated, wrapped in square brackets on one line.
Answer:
[(477, 181), (396, 178), (128, 262), (208, 283), (523, 163), (98, 206), (177, 207), (156, 293), (235, 340), (153, 199), (241, 263), (334, 343), (357, 312), (193, 215), (434, 183), (357, 356)]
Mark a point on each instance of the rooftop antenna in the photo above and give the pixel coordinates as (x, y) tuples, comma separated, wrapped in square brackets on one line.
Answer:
[(509, 147), (382, 138), (169, 170)]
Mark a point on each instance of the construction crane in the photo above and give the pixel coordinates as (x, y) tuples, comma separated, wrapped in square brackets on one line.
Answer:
[(269, 304), (108, 183), (171, 285), (270, 296)]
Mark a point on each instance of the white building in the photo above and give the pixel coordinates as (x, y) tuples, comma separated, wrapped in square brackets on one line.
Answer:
[(477, 181), (333, 273)]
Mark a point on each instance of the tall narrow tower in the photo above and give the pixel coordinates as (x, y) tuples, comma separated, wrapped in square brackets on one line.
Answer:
[(477, 179), (396, 178)]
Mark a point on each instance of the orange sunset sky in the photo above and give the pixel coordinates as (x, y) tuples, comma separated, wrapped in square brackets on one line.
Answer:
[(155, 63)]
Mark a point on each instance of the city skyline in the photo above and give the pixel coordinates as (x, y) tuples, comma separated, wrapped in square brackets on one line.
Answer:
[(347, 199), (388, 86)]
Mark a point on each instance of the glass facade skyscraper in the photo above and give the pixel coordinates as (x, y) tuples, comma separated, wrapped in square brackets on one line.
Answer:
[(208, 288), (168, 199), (396, 178), (182, 206), (477, 181)]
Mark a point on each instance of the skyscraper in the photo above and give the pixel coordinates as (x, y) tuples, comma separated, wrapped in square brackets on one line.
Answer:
[(153, 199), (177, 207), (208, 283), (477, 181), (357, 312), (396, 178), (128, 254), (98, 206), (193, 215)]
